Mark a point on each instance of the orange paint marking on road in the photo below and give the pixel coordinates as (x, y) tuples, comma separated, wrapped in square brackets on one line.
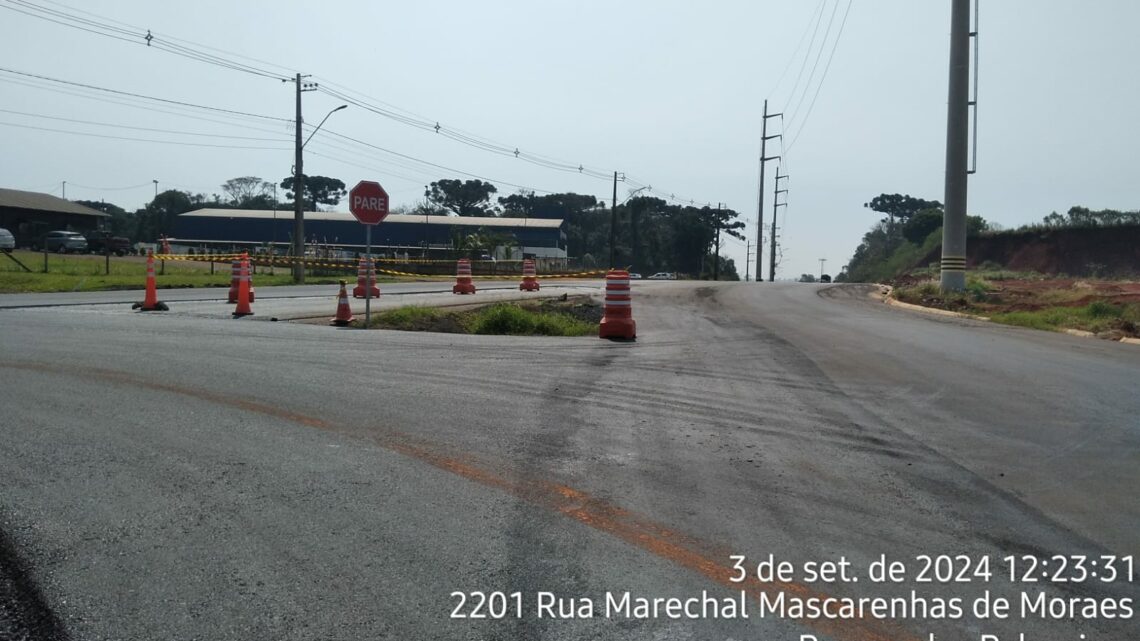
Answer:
[(584, 508)]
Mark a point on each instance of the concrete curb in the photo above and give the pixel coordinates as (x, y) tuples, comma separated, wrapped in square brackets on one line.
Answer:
[(889, 300), (885, 292)]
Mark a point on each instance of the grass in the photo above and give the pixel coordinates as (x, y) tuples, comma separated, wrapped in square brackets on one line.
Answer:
[(505, 318), (81, 273), (1096, 317), (498, 319)]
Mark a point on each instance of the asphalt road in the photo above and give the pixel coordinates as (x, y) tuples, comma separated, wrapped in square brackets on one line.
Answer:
[(186, 477)]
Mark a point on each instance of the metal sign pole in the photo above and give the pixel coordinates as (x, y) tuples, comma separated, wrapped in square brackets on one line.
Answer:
[(368, 276)]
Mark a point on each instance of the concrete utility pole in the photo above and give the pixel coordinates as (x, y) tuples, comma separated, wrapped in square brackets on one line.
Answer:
[(298, 197), (957, 150), (776, 205), (747, 259), (716, 258), (613, 224), (764, 138), (821, 262)]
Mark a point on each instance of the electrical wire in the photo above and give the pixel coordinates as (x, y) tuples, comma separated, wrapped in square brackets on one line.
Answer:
[(165, 142), (822, 78), (151, 129), (815, 65), (807, 55)]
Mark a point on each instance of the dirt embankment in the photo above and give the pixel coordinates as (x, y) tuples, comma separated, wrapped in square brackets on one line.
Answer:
[(1098, 252)]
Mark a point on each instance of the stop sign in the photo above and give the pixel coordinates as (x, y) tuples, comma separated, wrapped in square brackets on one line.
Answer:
[(368, 202)]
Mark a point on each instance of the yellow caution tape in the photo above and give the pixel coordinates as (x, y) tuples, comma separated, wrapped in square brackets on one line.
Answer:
[(349, 264)]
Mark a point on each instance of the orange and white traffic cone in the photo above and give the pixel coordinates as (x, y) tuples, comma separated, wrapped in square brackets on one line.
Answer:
[(366, 277), (150, 300), (463, 282), (235, 271), (243, 308), (530, 277), (343, 311), (617, 319)]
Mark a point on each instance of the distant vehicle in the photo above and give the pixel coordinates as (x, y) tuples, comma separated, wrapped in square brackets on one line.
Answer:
[(825, 278), (99, 243), (634, 276), (663, 276), (7, 240), (64, 242)]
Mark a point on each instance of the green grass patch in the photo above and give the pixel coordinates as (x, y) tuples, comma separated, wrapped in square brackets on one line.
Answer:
[(83, 273), (507, 318), (1096, 317), (549, 318)]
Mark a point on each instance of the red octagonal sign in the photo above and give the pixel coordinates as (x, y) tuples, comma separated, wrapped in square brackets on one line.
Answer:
[(368, 202)]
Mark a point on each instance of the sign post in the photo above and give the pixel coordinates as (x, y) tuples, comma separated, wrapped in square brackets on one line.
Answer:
[(368, 203)]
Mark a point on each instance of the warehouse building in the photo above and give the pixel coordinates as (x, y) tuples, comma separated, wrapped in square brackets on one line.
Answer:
[(399, 233), (30, 216)]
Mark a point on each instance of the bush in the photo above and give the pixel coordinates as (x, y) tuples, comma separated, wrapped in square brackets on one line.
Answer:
[(1103, 309), (505, 318)]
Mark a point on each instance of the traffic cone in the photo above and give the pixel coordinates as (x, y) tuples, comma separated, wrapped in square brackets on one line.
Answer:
[(463, 282), (150, 300), (617, 319), (235, 271), (366, 277), (244, 290), (343, 311), (530, 278), (235, 281)]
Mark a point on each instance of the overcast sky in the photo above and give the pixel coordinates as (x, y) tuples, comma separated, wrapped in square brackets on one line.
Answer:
[(669, 93)]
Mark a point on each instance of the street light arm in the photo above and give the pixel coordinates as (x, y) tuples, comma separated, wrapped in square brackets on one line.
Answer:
[(322, 124)]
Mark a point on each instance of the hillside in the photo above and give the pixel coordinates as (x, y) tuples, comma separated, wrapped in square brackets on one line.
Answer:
[(1102, 252)]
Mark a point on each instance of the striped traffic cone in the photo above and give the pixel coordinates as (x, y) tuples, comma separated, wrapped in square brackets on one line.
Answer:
[(235, 272), (150, 300), (530, 277), (617, 320), (343, 311), (366, 277), (463, 282), (244, 290)]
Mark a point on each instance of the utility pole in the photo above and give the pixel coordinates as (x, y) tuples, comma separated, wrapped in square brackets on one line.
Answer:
[(821, 262), (613, 224), (155, 189), (299, 189), (747, 259), (65, 190), (776, 205), (957, 149), (764, 138), (716, 258)]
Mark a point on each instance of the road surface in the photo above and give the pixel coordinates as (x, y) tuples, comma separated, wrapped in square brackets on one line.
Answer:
[(179, 476)]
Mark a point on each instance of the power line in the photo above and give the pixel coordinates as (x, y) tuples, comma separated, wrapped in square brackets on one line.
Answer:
[(815, 65), (796, 52), (807, 54), (144, 97), (830, 57), (151, 129), (165, 142)]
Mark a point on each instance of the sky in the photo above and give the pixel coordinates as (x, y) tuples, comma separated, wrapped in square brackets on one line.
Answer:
[(668, 93)]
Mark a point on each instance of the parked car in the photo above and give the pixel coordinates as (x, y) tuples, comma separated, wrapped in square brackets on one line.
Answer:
[(7, 240), (634, 276), (663, 276), (64, 242), (825, 278), (99, 243)]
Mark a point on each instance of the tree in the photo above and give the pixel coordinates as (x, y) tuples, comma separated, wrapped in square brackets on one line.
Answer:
[(921, 225), (807, 278), (463, 198), (121, 223), (248, 190), (319, 190), (158, 217), (900, 206)]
